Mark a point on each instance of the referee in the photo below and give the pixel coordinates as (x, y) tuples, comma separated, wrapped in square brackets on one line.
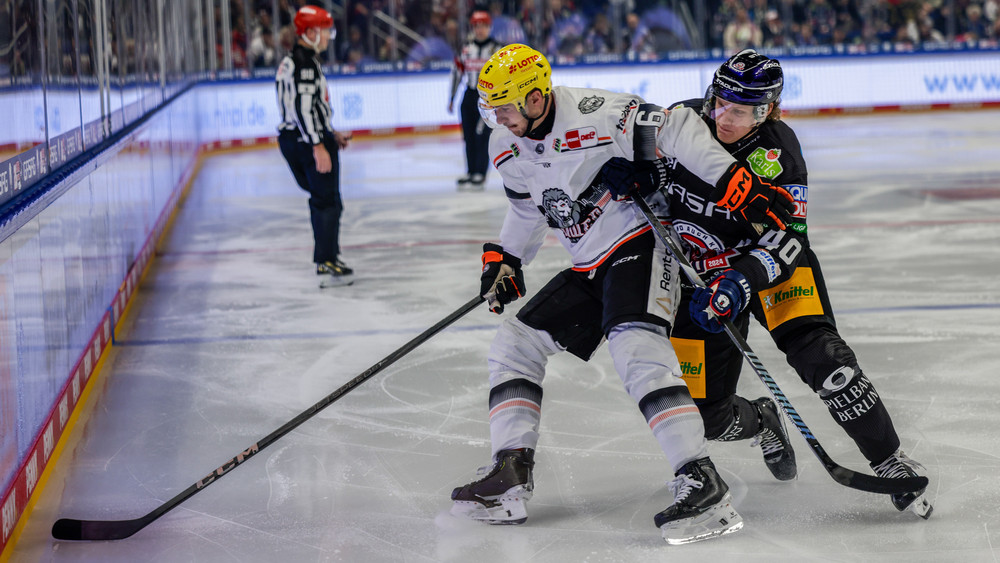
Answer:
[(308, 142)]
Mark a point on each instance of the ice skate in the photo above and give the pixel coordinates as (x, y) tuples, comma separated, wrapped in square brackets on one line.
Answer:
[(335, 274), (773, 440), (899, 465), (474, 183), (463, 182), (500, 496), (702, 507)]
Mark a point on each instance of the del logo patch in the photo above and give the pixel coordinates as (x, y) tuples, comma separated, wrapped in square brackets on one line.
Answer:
[(581, 138), (764, 162)]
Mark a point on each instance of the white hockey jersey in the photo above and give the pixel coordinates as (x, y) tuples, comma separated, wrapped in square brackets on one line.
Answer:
[(554, 183)]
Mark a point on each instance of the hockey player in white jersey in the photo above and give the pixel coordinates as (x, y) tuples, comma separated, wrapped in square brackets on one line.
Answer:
[(549, 147)]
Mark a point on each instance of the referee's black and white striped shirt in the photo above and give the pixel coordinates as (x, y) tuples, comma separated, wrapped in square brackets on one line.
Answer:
[(303, 100)]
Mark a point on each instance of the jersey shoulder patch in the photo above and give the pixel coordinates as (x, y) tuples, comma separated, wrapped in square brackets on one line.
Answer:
[(590, 104)]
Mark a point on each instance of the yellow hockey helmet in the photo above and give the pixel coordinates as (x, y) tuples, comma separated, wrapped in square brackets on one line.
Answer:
[(511, 74)]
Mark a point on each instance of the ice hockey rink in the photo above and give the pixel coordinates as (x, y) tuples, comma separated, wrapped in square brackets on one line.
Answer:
[(229, 338)]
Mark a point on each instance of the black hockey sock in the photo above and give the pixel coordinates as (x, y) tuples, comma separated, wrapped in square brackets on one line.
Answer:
[(859, 410), (745, 424)]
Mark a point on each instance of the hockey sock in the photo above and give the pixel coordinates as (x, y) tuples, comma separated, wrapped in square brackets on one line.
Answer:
[(745, 424), (676, 424), (515, 412), (859, 410)]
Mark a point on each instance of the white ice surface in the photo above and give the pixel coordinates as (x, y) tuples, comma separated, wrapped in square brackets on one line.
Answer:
[(230, 338)]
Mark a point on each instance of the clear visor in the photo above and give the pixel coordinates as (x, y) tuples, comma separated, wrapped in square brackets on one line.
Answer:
[(737, 115), (499, 116)]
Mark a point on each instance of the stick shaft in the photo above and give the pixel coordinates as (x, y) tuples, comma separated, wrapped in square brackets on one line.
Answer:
[(72, 529), (842, 475)]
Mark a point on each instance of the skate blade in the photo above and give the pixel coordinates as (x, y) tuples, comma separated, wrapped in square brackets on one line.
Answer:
[(509, 509), (921, 507), (339, 281), (718, 521)]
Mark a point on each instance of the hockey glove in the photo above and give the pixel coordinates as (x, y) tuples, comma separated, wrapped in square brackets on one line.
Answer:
[(502, 280), (625, 178), (753, 200), (725, 296)]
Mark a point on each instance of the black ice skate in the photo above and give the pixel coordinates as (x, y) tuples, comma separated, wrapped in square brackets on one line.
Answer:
[(702, 507), (773, 440), (475, 183), (500, 496), (899, 465), (335, 274)]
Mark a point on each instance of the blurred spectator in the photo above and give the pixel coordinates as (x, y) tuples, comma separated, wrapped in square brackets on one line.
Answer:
[(567, 29), (774, 33), (262, 52), (631, 32), (353, 42), (975, 26), (741, 33), (506, 30), (667, 30), (598, 39), (927, 33)]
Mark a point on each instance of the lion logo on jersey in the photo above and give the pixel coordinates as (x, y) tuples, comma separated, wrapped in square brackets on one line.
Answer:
[(559, 209), (573, 218)]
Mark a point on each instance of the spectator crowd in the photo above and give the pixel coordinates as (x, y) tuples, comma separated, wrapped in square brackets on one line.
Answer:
[(424, 31)]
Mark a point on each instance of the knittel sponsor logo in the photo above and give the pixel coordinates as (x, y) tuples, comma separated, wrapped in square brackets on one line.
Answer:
[(791, 293), (692, 368)]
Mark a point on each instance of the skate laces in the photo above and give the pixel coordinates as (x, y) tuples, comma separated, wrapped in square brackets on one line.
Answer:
[(682, 486), (896, 466), (768, 441)]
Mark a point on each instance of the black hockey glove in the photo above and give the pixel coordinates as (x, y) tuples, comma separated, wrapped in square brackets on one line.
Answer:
[(725, 296), (752, 200), (502, 280), (624, 178)]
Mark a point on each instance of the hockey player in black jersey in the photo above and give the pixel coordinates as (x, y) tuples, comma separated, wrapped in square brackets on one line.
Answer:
[(309, 143), (549, 145), (777, 276), (475, 132)]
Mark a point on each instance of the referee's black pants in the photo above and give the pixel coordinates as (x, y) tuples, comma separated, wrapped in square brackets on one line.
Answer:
[(476, 134), (325, 204)]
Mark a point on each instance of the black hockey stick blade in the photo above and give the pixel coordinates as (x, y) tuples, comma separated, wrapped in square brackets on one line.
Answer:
[(872, 484), (100, 530), (842, 475), (91, 530)]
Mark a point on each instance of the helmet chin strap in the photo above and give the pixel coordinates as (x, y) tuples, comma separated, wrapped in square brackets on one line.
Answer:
[(314, 44), (532, 120)]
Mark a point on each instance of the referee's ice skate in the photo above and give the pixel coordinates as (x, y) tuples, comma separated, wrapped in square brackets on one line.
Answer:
[(334, 274), (500, 496), (702, 507)]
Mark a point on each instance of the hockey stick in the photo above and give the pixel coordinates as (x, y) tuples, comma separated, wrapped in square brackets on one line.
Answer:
[(97, 530), (842, 475)]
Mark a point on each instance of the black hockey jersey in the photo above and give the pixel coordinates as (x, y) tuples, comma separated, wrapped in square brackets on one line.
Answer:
[(714, 239)]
